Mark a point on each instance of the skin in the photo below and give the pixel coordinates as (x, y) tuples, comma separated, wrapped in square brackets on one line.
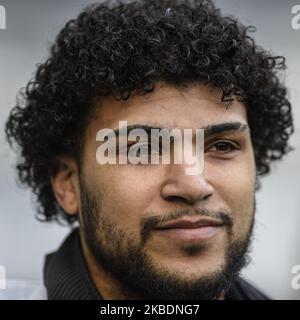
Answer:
[(130, 192)]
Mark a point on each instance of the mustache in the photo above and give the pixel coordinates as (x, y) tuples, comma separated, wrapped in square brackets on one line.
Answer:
[(154, 220)]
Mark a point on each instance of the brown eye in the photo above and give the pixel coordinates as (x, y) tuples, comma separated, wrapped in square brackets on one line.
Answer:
[(223, 147)]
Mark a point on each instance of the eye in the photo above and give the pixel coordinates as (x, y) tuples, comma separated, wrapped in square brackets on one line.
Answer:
[(223, 147), (147, 149), (142, 149)]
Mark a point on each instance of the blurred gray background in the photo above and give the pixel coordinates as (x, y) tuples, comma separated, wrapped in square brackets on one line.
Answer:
[(31, 28)]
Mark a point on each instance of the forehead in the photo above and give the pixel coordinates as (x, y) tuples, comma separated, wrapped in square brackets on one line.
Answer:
[(193, 107)]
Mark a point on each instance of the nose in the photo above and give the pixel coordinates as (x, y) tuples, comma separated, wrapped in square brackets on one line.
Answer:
[(189, 189)]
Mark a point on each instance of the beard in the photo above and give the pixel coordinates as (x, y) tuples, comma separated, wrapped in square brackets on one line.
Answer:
[(128, 262)]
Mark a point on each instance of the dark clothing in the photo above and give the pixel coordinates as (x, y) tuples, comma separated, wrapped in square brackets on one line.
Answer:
[(66, 276)]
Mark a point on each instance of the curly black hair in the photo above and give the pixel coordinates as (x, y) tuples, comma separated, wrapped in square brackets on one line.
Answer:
[(117, 48)]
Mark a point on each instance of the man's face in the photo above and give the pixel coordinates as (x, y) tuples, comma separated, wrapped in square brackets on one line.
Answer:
[(124, 206)]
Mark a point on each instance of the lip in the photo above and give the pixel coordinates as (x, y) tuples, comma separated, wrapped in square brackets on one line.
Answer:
[(201, 229), (191, 224)]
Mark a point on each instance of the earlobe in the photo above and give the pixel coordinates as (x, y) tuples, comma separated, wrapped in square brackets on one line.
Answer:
[(64, 186)]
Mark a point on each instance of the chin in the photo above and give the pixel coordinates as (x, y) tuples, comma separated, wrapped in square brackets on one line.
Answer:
[(194, 266)]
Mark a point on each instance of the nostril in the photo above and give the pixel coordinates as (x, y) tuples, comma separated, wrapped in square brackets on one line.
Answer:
[(206, 197), (175, 199)]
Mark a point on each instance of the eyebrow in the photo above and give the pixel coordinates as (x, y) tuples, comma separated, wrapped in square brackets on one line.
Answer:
[(224, 128), (210, 130)]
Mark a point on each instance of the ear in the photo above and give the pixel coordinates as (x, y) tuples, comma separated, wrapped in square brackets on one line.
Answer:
[(65, 185)]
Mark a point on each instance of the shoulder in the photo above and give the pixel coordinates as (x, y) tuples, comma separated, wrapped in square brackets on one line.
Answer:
[(243, 290)]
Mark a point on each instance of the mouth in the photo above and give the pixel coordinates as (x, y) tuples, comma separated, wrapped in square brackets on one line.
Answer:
[(201, 229)]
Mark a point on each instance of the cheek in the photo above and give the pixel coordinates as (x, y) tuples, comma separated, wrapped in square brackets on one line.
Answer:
[(234, 183), (128, 192)]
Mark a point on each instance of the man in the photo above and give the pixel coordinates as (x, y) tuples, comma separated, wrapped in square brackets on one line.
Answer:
[(151, 231)]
